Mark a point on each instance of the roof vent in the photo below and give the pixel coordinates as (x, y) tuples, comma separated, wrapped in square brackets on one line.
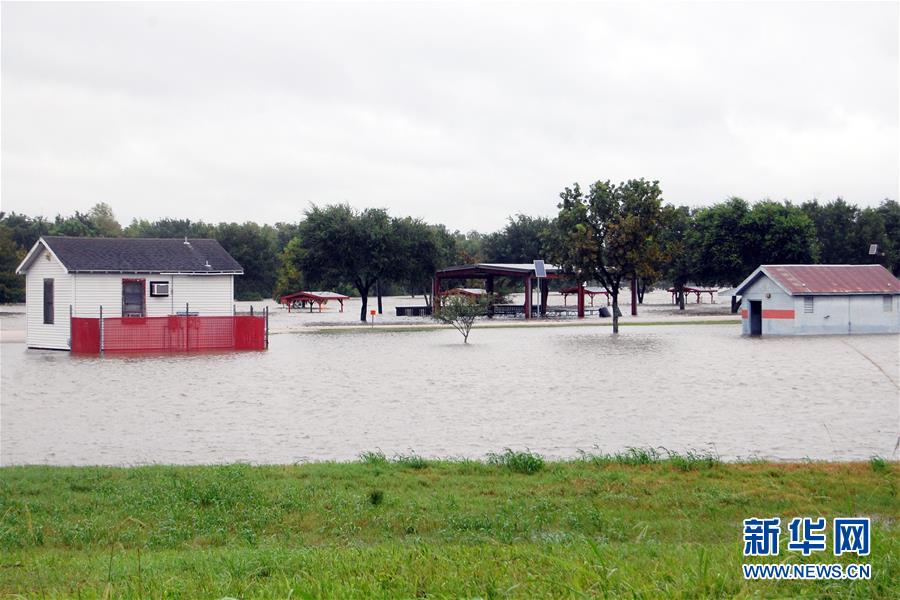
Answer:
[(207, 265), (186, 242)]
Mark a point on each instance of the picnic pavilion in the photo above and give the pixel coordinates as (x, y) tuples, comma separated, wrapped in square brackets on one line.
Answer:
[(302, 299), (521, 271)]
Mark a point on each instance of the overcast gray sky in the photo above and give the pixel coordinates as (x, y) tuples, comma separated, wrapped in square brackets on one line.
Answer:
[(456, 113)]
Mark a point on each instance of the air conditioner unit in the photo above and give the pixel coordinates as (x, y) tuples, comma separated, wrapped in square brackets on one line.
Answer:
[(159, 288)]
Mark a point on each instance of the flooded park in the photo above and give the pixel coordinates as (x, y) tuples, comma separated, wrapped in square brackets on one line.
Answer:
[(332, 393)]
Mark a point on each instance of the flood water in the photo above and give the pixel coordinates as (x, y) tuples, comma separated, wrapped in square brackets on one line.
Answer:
[(323, 396)]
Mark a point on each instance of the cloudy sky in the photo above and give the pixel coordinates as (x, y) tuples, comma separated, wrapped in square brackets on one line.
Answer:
[(455, 113)]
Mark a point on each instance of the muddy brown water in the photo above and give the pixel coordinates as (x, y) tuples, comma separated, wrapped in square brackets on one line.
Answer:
[(327, 396)]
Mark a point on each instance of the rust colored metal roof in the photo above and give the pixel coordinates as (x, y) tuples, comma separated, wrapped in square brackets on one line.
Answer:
[(833, 279)]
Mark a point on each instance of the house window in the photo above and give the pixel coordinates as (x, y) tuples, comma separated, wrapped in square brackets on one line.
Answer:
[(808, 304), (132, 297), (48, 302), (888, 303)]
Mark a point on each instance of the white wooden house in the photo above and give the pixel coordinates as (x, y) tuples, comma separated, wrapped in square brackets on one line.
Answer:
[(819, 299), (127, 277)]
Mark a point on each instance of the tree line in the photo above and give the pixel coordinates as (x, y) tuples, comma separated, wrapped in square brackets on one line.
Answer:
[(606, 233)]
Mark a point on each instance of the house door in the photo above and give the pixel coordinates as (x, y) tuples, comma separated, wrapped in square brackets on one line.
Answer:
[(756, 317), (132, 297)]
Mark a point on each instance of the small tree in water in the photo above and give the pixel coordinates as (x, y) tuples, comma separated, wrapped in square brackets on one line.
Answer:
[(461, 312)]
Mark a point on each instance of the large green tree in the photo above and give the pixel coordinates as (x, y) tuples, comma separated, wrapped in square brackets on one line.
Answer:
[(338, 244), (610, 234)]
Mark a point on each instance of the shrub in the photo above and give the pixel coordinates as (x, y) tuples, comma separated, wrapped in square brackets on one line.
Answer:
[(461, 312), (879, 464)]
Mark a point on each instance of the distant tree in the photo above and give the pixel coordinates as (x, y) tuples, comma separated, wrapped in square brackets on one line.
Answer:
[(25, 230), (678, 239), (289, 278), (255, 248), (889, 210), (777, 233), (520, 241), (719, 255), (12, 286), (418, 254), (337, 243), (836, 225), (104, 221), (608, 235), (169, 228), (461, 312), (469, 247), (78, 225)]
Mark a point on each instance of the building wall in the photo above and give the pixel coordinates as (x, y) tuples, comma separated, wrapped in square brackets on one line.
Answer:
[(38, 335), (786, 315), (208, 295), (777, 309), (868, 315)]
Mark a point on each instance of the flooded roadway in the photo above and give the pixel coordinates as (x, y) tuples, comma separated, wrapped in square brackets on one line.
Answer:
[(324, 396)]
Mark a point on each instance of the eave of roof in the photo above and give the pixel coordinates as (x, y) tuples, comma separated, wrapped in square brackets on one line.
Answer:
[(497, 269)]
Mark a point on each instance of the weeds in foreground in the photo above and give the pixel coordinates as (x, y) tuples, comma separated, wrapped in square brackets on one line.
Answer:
[(689, 460), (523, 461), (411, 461), (378, 458)]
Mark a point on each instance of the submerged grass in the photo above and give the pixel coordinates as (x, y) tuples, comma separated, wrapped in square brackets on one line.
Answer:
[(645, 523)]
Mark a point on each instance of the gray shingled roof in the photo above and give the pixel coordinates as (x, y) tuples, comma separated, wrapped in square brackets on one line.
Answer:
[(141, 255)]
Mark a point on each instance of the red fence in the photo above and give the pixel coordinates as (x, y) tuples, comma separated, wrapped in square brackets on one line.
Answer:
[(168, 334)]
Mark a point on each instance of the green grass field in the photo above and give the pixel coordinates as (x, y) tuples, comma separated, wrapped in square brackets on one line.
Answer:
[(634, 526)]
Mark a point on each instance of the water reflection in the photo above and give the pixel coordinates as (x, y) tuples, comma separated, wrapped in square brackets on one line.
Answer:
[(605, 344)]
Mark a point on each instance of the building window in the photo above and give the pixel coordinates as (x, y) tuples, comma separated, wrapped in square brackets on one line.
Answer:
[(808, 304), (48, 302), (888, 303), (132, 297), (159, 289)]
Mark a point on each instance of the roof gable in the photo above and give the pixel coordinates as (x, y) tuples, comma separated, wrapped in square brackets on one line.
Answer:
[(136, 255), (826, 279)]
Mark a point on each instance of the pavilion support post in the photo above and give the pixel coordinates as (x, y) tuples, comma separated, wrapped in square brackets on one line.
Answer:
[(545, 291), (580, 299), (634, 295), (489, 288), (528, 297)]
